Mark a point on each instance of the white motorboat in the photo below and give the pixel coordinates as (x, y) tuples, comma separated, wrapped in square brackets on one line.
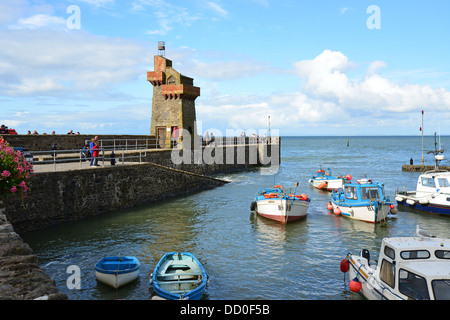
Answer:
[(326, 181), (432, 194), (276, 204), (416, 268)]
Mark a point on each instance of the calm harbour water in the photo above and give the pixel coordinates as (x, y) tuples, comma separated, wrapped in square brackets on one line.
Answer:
[(247, 256)]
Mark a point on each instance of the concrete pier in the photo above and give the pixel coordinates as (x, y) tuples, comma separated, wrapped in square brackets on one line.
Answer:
[(420, 168)]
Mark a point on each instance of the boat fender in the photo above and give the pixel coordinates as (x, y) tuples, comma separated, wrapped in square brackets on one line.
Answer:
[(348, 177), (329, 206), (355, 285), (337, 211), (322, 185), (393, 209), (302, 196), (344, 265), (253, 206)]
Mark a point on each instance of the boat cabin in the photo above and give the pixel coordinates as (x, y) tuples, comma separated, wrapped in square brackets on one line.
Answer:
[(361, 192), (433, 181), (416, 268)]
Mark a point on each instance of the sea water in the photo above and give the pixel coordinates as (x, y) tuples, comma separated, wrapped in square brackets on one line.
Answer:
[(247, 256)]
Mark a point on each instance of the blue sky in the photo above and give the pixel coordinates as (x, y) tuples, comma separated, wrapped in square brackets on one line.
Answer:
[(314, 67)]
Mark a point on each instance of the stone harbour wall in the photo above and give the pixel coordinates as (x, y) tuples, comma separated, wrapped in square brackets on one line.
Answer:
[(420, 168), (57, 197)]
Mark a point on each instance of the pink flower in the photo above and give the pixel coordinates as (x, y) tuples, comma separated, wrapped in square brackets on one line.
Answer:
[(23, 184), (13, 189), (6, 173)]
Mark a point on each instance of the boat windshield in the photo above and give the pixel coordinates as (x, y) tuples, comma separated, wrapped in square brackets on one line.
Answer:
[(441, 289), (350, 193), (428, 182), (443, 182), (413, 285), (369, 193)]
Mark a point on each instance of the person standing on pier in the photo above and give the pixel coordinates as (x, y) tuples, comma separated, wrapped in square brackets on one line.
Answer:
[(94, 154)]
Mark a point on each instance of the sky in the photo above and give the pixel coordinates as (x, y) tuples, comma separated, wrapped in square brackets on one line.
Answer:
[(328, 68)]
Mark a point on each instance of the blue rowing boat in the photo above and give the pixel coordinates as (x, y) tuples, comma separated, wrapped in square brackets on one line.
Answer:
[(117, 271), (179, 276)]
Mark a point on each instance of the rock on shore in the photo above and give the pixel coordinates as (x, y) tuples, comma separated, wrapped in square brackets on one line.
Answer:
[(21, 278)]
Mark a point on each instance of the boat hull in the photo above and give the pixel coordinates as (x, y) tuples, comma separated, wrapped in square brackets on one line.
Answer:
[(170, 280), (365, 213), (282, 210), (327, 184), (430, 206), (371, 287), (117, 271)]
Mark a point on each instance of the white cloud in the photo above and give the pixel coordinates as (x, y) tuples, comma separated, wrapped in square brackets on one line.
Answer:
[(328, 101), (98, 3), (375, 66), (39, 21), (166, 15), (325, 79), (53, 63), (217, 8), (343, 11)]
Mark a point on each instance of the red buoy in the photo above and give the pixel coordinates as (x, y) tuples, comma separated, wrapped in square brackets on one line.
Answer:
[(349, 177), (355, 285), (329, 206), (337, 211), (344, 265), (392, 206)]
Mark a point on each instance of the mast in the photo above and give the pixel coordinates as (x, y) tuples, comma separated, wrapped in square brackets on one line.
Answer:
[(421, 129)]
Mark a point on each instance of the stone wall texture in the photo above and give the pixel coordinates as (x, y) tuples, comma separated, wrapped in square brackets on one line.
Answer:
[(58, 197), (21, 278)]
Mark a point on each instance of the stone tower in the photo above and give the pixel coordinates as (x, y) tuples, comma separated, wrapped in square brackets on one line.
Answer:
[(173, 106)]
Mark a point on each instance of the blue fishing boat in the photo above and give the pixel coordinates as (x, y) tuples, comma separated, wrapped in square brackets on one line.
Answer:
[(326, 181), (179, 276), (117, 271), (363, 200)]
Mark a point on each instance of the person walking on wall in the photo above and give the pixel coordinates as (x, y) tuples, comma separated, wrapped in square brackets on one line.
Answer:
[(95, 154), (91, 147)]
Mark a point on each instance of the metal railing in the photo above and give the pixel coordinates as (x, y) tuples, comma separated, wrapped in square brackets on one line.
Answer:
[(115, 150)]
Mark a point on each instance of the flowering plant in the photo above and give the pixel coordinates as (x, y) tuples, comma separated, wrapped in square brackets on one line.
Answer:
[(14, 171)]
